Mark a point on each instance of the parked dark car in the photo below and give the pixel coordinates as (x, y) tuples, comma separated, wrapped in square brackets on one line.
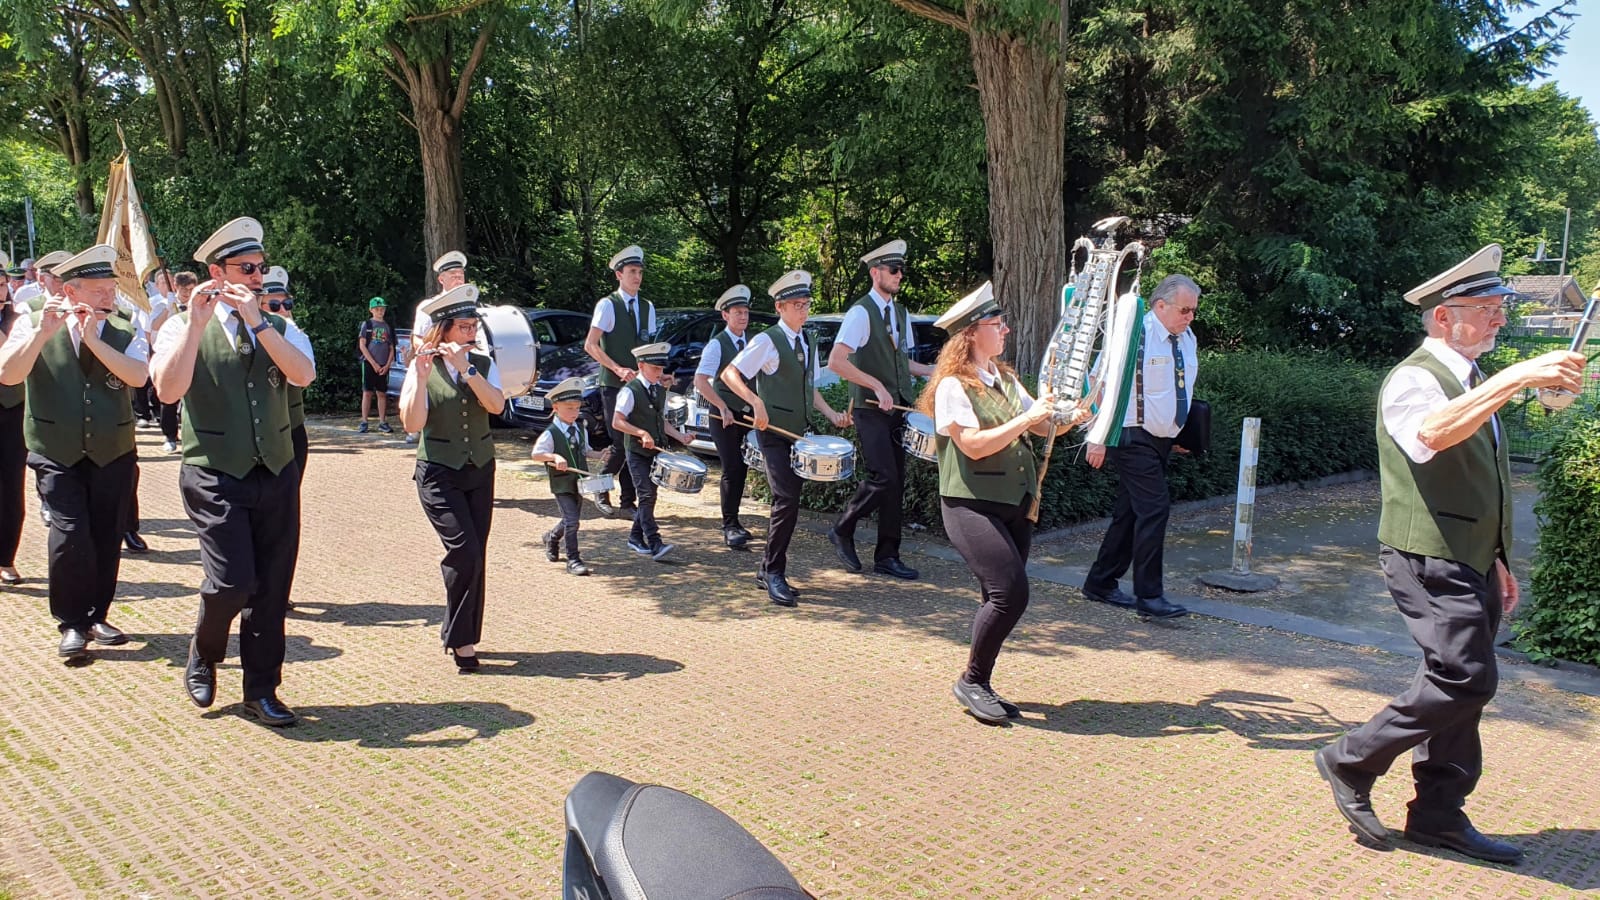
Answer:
[(553, 329), (686, 329)]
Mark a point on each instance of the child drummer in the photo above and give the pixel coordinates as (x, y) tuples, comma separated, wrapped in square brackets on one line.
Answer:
[(563, 447), (641, 418)]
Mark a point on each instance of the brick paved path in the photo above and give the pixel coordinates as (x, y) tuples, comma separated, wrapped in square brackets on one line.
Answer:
[(1153, 760)]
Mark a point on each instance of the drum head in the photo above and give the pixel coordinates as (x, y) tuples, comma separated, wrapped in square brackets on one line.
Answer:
[(681, 462), (824, 445), (920, 422), (506, 336)]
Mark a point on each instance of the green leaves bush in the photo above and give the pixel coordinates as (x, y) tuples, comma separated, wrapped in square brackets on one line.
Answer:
[(1317, 411), (1563, 619)]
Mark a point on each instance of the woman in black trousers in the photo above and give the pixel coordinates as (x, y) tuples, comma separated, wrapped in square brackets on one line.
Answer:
[(449, 392), (13, 457), (987, 479)]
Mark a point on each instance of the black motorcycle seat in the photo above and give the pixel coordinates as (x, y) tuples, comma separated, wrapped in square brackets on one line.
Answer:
[(590, 805), (663, 844)]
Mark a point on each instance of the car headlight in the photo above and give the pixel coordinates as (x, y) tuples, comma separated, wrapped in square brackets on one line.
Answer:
[(590, 382)]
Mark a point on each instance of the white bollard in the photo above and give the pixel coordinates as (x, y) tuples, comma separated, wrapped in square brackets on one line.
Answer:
[(1244, 516)]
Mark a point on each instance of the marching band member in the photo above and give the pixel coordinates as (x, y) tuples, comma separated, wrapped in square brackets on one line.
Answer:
[(1445, 535), (562, 447), (13, 452), (641, 419), (726, 432), (276, 299), (450, 270), (49, 283), (449, 393), (871, 353), (784, 365), (78, 361), (987, 476), (232, 368), (622, 321)]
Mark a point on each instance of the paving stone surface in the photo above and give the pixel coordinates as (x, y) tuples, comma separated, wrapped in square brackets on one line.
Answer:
[(1151, 760)]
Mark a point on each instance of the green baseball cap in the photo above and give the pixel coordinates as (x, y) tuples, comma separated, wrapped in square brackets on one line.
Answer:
[(376, 302)]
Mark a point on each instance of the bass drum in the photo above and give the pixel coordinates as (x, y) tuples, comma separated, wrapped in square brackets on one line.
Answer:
[(504, 334)]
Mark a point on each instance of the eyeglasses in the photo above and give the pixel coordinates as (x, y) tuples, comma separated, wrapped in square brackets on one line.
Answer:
[(1185, 310), (248, 268), (1507, 308), (997, 321), (276, 305)]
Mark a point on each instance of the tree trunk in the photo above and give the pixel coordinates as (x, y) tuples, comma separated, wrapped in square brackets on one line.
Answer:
[(1023, 100), (444, 226)]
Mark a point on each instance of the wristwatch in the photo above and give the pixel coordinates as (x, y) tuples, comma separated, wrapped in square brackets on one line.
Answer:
[(261, 327), (471, 370)]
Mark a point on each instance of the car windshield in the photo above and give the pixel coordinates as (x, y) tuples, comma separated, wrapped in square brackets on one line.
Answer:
[(822, 332), (569, 329)]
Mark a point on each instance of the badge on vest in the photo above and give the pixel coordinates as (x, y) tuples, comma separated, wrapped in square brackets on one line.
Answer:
[(274, 376), (114, 383)]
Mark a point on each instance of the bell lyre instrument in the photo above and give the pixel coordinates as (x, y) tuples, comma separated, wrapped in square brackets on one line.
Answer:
[(1560, 398)]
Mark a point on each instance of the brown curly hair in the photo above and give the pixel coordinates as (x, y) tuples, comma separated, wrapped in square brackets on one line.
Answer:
[(955, 361)]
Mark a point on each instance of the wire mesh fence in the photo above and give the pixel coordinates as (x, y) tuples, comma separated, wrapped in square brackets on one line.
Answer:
[(1530, 428)]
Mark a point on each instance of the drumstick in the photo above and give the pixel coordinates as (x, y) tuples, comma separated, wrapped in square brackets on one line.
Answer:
[(771, 427), (897, 406)]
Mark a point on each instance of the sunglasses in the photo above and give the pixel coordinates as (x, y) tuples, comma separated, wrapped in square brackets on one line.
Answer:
[(895, 270), (276, 305), (249, 268)]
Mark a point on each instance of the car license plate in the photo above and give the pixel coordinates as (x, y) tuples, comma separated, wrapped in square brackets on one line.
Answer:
[(700, 417), (537, 404)]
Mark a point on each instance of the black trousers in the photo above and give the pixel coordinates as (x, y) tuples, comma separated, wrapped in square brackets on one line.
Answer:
[(168, 417), (882, 492), (775, 450), (571, 506), (994, 539), (1453, 613), (130, 515), (143, 395), (460, 505), (87, 504), (644, 530), (302, 451), (730, 451), (1138, 528), (617, 462), (13, 468), (249, 530)]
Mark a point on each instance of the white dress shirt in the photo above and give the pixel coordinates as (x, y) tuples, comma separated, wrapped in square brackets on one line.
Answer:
[(170, 338), (605, 320), (1413, 394), (711, 356), (856, 329), (21, 296), (1160, 379), (625, 397), (761, 356), (22, 331), (952, 406)]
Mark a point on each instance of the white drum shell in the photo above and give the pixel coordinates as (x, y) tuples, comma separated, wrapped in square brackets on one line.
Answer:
[(918, 439), (505, 335), (597, 484), (823, 458)]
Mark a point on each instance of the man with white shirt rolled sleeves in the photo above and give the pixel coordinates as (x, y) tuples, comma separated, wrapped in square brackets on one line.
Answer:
[(622, 321), (77, 361), (727, 409), (1445, 536), (1166, 369), (232, 366)]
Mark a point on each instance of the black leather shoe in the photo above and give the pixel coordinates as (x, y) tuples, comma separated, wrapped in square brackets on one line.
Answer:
[(200, 680), (895, 568), (74, 644), (465, 665), (110, 635), (132, 543), (602, 502), (1159, 608), (575, 566), (270, 711), (846, 548), (1117, 597), (627, 506), (743, 532), (1468, 842), (552, 547), (1354, 805), (779, 591), (735, 538)]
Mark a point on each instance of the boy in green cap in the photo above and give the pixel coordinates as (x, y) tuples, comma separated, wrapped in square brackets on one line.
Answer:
[(376, 342)]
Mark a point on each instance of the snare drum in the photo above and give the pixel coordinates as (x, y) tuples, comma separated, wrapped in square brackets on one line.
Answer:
[(822, 457), (678, 472), (504, 335), (677, 411), (753, 456), (595, 485), (917, 437)]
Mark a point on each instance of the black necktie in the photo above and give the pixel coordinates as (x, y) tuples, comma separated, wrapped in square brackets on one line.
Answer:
[(634, 314), (738, 344), (888, 318), (800, 350), (1182, 383)]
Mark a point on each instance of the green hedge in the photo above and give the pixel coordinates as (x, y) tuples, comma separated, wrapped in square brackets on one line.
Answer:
[(1317, 413), (1563, 618)]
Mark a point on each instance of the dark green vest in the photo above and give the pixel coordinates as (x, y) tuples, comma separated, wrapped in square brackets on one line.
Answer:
[(36, 303), (1455, 506), (236, 413), (880, 358), (457, 431), (297, 395), (76, 407), (1008, 476), (623, 337), (565, 482), (647, 416), (734, 401), (787, 392)]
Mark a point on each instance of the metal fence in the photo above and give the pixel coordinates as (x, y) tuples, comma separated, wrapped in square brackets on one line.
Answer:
[(1530, 428)]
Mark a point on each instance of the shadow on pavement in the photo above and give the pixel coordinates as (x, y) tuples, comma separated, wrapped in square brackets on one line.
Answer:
[(397, 726), (173, 649), (1566, 856), (1267, 721), (577, 664), (388, 615)]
